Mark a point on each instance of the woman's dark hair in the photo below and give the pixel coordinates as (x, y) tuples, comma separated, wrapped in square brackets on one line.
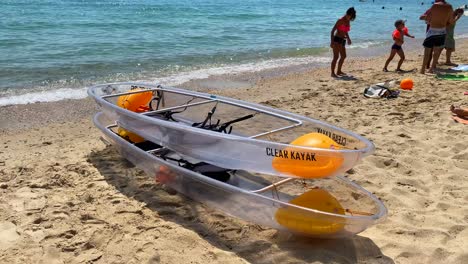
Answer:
[(351, 12)]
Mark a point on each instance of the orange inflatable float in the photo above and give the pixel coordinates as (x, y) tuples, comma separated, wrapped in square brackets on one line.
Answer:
[(132, 137), (164, 175), (407, 84), (309, 163), (137, 102), (297, 221)]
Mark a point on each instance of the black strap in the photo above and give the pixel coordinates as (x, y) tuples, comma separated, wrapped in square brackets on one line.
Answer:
[(168, 113), (159, 98), (212, 171), (208, 118), (223, 127)]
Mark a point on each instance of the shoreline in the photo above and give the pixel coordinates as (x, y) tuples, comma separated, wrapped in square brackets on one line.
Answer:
[(66, 197), (260, 70), (245, 79)]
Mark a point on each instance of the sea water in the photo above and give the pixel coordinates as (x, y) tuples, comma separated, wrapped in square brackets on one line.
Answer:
[(52, 49)]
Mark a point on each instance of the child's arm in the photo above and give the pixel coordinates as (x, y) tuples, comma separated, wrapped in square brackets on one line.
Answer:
[(408, 34)]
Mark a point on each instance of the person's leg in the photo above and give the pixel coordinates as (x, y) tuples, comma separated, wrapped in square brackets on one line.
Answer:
[(448, 55), (341, 61), (390, 58), (435, 58), (336, 53), (449, 48), (427, 53), (429, 59), (402, 58)]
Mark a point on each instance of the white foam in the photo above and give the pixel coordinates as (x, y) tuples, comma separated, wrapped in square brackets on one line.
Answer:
[(182, 77), (461, 36), (365, 45), (174, 79), (44, 96)]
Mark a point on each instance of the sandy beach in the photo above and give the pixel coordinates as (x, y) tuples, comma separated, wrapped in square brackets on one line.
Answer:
[(65, 197)]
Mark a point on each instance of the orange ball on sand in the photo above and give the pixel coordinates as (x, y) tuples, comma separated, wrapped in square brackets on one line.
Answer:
[(407, 84)]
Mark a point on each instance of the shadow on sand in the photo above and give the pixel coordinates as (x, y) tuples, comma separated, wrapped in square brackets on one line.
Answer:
[(346, 78), (252, 242), (447, 71), (406, 71)]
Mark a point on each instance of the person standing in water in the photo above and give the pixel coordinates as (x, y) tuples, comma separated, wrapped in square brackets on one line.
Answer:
[(339, 37)]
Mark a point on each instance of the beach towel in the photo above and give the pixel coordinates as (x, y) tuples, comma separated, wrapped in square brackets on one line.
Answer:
[(461, 67), (452, 77), (380, 91)]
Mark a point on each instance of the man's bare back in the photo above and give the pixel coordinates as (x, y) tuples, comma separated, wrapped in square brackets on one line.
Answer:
[(440, 15)]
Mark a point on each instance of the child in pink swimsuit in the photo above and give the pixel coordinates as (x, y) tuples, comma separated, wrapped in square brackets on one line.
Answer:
[(398, 38)]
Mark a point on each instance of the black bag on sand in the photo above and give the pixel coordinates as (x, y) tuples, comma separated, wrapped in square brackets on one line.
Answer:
[(380, 91)]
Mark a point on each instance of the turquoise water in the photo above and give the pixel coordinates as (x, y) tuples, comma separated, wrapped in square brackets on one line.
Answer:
[(53, 44)]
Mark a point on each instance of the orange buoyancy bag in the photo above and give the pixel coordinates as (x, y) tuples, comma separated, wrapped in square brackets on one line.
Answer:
[(136, 101), (305, 222), (304, 163)]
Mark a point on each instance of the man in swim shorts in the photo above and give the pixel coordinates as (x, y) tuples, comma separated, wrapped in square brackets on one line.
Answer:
[(438, 17), (398, 37)]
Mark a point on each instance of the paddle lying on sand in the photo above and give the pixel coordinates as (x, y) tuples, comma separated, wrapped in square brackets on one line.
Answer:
[(461, 67), (452, 77)]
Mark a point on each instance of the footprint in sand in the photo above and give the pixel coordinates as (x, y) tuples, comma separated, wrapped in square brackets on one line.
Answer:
[(25, 199), (8, 235), (463, 157), (53, 255)]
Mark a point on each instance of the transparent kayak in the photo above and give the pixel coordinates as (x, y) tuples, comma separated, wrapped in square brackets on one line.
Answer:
[(326, 207), (231, 133)]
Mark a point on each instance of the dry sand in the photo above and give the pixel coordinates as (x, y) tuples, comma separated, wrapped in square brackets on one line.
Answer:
[(67, 198)]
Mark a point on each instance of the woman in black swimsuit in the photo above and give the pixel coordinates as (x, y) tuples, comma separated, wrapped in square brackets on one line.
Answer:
[(338, 40)]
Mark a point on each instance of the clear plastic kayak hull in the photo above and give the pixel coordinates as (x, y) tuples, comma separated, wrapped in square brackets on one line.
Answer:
[(233, 134), (256, 198)]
